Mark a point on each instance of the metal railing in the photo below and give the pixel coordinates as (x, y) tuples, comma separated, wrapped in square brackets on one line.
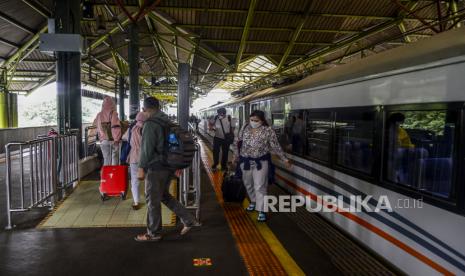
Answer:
[(38, 171), (189, 188), (90, 140)]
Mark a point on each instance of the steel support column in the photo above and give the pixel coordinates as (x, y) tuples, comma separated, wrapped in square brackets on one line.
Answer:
[(12, 110), (133, 59), (183, 94), (245, 33), (3, 109), (121, 97), (68, 69)]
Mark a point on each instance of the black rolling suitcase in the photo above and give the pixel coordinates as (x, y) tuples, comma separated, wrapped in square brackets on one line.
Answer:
[(233, 188)]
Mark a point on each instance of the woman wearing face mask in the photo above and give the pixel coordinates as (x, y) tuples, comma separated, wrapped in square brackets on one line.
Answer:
[(254, 145)]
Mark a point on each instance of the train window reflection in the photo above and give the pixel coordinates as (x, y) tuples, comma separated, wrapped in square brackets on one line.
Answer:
[(354, 140), (420, 146), (319, 135)]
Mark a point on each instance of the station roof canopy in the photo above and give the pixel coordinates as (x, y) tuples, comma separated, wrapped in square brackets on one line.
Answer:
[(239, 45)]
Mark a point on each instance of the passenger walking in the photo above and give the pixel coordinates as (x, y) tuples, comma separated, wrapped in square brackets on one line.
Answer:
[(135, 133), (254, 145), (109, 131), (223, 138), (157, 175)]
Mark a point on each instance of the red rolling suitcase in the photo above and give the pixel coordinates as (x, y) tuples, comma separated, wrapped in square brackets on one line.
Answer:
[(113, 181)]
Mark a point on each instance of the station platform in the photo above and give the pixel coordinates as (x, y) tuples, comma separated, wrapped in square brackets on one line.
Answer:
[(230, 241)]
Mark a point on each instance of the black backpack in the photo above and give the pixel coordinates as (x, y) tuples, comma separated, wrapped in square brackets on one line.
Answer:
[(179, 148)]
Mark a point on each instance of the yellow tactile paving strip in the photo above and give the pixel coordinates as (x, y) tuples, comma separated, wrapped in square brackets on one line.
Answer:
[(84, 209), (258, 246)]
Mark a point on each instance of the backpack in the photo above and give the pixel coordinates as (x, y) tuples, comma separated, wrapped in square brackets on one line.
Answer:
[(126, 146), (179, 147), (106, 127)]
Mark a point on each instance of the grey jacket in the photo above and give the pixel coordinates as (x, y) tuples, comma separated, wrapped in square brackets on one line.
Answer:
[(153, 141)]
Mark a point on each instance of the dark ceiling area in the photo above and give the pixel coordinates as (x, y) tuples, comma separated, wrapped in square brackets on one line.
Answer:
[(239, 45)]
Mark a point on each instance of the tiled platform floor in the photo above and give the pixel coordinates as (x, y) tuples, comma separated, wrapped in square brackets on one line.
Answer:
[(83, 208)]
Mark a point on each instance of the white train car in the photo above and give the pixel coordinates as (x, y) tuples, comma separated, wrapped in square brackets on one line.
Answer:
[(351, 143)]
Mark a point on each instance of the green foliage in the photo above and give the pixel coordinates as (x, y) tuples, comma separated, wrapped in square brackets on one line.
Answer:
[(427, 120), (44, 113)]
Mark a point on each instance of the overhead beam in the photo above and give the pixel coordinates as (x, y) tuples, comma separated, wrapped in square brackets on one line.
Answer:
[(403, 30), (271, 29), (454, 10), (286, 13), (330, 49), (232, 41), (412, 13), (104, 37), (171, 67), (256, 54), (39, 8), (295, 36), (207, 53), (9, 43), (24, 48), (245, 32), (15, 23), (45, 81)]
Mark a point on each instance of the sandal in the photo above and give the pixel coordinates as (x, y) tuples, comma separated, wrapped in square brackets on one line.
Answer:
[(251, 207), (147, 238), (261, 217), (136, 206)]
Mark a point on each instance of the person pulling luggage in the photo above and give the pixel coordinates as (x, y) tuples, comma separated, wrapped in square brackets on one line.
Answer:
[(257, 141), (157, 175), (109, 131)]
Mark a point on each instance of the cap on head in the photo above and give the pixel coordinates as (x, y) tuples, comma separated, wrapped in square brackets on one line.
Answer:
[(151, 103), (221, 111)]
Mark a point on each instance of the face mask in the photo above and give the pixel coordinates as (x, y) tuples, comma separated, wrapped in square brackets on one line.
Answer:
[(255, 124)]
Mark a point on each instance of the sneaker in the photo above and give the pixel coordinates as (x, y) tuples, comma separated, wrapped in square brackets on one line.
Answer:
[(261, 217), (147, 238), (251, 207), (136, 206), (186, 228)]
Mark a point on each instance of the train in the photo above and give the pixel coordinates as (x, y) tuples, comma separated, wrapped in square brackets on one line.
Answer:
[(389, 125)]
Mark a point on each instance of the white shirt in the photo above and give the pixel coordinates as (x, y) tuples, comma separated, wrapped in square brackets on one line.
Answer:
[(218, 130)]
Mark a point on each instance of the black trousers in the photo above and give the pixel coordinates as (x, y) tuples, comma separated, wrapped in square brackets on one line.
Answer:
[(218, 144)]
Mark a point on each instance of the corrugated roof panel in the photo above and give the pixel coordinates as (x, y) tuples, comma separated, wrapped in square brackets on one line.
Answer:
[(276, 21), (270, 35), (220, 34), (279, 5)]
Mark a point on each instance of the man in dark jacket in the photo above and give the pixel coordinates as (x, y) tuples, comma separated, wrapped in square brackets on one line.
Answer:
[(157, 175)]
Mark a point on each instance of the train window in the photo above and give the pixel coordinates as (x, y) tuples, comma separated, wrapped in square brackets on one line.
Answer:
[(278, 126), (354, 133), (420, 146), (319, 135), (295, 132), (254, 107)]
